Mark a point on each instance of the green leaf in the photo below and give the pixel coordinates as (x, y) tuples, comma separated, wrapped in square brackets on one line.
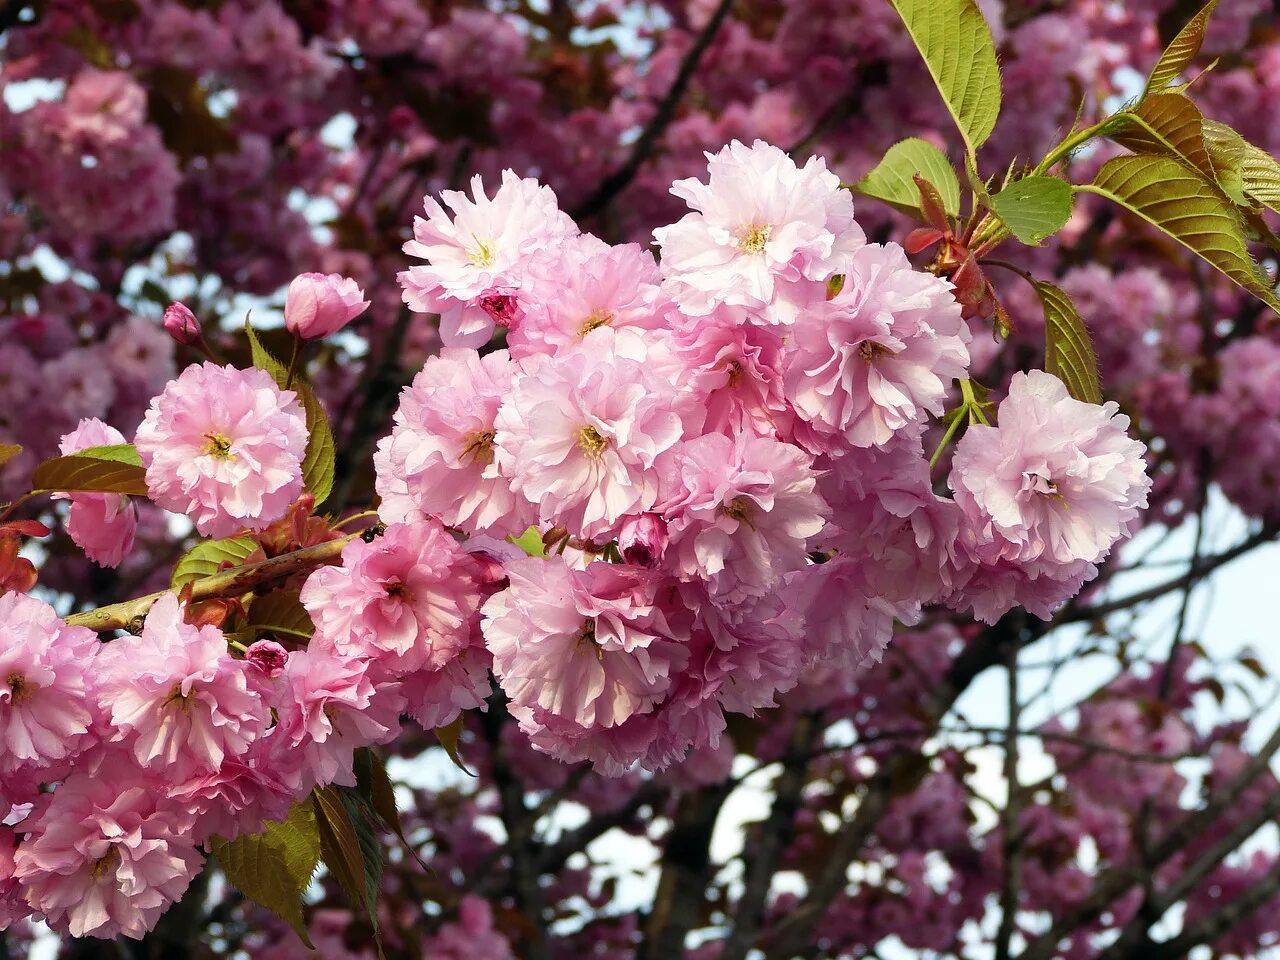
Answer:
[(8, 451), (1180, 51), (349, 846), (530, 542), (207, 557), (376, 786), (1068, 350), (955, 41), (1189, 209), (1168, 124), (893, 178), (318, 463), (111, 469), (1034, 207), (449, 735), (273, 868), (280, 611), (1256, 171)]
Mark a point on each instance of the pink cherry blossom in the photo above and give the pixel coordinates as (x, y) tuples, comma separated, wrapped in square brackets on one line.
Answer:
[(741, 511), (590, 647), (880, 356), (759, 227), (48, 688), (579, 435), (439, 458), (225, 447), (101, 524), (105, 858), (484, 245), (404, 600), (177, 697)]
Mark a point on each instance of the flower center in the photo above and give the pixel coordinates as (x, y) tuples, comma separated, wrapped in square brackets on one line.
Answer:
[(595, 319), (483, 255), (479, 447), (741, 509), (870, 351), (106, 864), (1041, 486), (591, 443), (219, 446), (587, 636), (178, 700), (19, 689), (753, 237), (735, 373), (398, 590)]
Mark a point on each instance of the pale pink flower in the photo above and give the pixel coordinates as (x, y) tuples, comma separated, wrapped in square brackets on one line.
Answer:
[(579, 433), (1058, 480), (47, 685), (319, 305), (328, 710), (435, 698), (485, 244), (404, 600), (760, 227), (878, 357), (589, 647), (100, 524), (740, 511), (104, 858), (225, 447), (439, 458), (177, 697), (578, 289)]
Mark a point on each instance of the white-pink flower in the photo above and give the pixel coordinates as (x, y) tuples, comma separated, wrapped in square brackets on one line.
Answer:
[(483, 246), (104, 858), (404, 600), (880, 356), (1058, 480), (225, 447), (589, 647), (740, 511), (439, 458), (47, 685), (762, 233), (177, 697), (100, 524), (579, 434)]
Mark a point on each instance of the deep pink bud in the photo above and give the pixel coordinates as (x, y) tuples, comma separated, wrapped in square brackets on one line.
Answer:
[(643, 539), (502, 305), (182, 324), (318, 305), (268, 656)]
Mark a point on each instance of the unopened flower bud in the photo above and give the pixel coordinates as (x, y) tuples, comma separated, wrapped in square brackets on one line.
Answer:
[(268, 656), (318, 305), (182, 324), (643, 539), (502, 304)]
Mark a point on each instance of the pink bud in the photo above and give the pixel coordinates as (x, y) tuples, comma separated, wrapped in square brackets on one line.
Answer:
[(182, 324), (643, 539), (268, 656), (502, 305), (318, 305)]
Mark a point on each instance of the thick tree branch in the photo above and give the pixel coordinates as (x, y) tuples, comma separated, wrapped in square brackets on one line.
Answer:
[(1010, 829), (776, 833), (686, 868), (641, 150)]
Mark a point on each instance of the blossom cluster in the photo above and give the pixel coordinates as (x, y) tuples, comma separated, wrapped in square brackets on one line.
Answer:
[(715, 468)]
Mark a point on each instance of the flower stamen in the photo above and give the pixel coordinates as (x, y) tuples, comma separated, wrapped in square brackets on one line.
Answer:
[(592, 443)]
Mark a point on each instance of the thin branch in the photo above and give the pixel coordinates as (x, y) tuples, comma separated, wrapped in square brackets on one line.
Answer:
[(1010, 830), (618, 181), (228, 583), (1220, 921), (553, 856)]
